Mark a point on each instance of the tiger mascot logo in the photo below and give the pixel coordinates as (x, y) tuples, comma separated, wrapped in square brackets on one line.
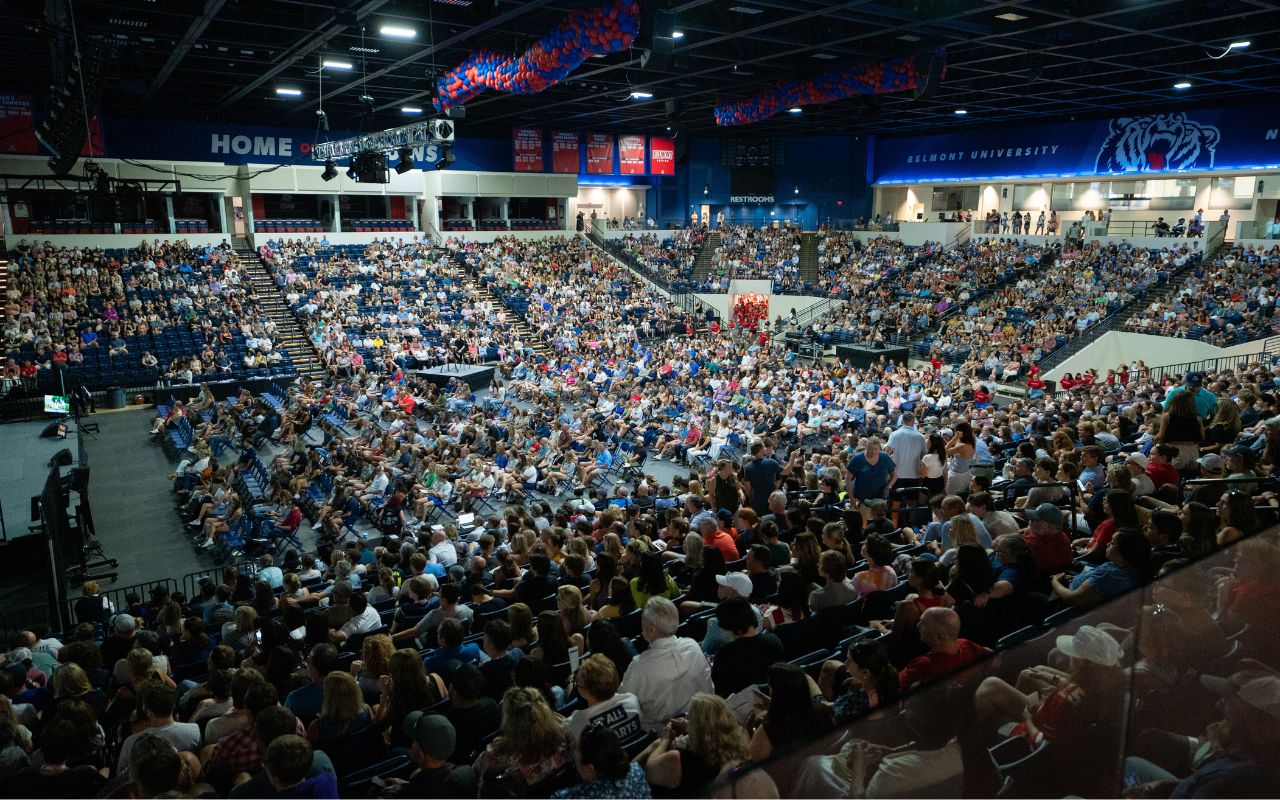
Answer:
[(1158, 142)]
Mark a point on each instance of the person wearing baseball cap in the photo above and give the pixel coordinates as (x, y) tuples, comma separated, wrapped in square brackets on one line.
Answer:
[(1142, 483), (433, 740), (734, 584), (1061, 703), (1243, 764), (1050, 545)]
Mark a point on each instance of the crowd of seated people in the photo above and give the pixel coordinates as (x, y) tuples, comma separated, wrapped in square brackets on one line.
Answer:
[(162, 312), (750, 253), (668, 262), (503, 599), (577, 301), (1015, 325), (902, 302), (1224, 303), (402, 303)]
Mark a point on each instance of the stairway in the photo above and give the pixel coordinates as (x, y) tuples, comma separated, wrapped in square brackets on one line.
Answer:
[(514, 319), (809, 258), (702, 263), (289, 334)]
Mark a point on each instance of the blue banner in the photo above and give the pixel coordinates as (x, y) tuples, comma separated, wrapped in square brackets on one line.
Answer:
[(259, 144), (1193, 141)]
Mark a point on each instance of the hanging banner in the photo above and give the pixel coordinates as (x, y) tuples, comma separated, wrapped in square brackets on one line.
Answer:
[(1149, 144), (527, 156), (631, 154), (17, 125), (662, 155), (564, 151), (600, 153)]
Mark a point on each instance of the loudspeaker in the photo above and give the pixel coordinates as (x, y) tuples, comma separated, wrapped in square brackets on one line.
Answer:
[(58, 429), (932, 77), (662, 44)]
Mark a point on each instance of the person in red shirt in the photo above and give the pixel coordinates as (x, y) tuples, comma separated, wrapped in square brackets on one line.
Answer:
[(939, 629), (1160, 467), (1049, 544)]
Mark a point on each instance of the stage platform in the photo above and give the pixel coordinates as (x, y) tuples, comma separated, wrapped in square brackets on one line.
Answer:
[(25, 467), (477, 376)]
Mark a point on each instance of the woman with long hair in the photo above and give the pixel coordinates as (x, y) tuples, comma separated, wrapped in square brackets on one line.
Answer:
[(598, 589), (523, 633), (652, 580), (685, 569), (807, 556), (573, 614), (342, 712), (792, 603), (794, 717), (405, 687), (1239, 520), (1181, 426), (239, 632), (374, 662), (933, 466), (1224, 427), (531, 739), (925, 579), (621, 602), (867, 680), (960, 451), (692, 751), (603, 638), (703, 586), (1127, 567), (1199, 530), (1121, 512), (553, 643)]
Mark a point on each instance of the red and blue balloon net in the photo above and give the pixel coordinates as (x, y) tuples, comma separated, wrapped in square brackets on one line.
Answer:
[(579, 36), (878, 77)]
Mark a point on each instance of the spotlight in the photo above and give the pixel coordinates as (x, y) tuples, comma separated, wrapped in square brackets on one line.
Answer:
[(447, 157), (351, 169), (406, 160), (330, 170)]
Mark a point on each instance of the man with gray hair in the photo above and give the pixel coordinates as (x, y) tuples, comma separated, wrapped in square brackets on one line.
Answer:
[(666, 676)]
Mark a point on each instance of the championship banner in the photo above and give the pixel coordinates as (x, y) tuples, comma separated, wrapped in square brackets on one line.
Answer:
[(631, 154), (600, 153), (662, 155), (527, 155), (564, 151)]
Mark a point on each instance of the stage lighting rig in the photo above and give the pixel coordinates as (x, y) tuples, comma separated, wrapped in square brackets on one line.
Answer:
[(379, 145)]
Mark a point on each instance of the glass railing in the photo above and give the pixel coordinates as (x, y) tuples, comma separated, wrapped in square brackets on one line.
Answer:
[(1068, 711)]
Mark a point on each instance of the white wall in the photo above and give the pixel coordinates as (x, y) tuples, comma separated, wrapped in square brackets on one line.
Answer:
[(917, 233), (1114, 348), (123, 240), (489, 236), (1037, 240), (661, 234)]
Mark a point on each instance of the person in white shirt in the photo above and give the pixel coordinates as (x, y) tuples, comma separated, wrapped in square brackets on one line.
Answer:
[(157, 700), (442, 551), (365, 619), (597, 683), (666, 676)]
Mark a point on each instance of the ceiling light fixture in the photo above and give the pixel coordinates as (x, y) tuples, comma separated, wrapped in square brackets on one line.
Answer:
[(396, 32), (824, 56), (908, 37), (641, 95), (677, 34), (961, 112), (747, 10), (795, 110), (410, 110), (287, 92), (1233, 46), (1182, 85), (336, 64), (1010, 16)]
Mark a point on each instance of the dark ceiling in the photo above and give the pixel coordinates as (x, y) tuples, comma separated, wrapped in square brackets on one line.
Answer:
[(1008, 62)]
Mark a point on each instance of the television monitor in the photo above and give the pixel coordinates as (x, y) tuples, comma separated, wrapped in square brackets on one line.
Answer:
[(57, 404)]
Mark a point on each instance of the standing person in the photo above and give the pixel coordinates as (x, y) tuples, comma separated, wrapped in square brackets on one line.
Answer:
[(762, 473), (1040, 223), (960, 451), (871, 473), (908, 447)]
